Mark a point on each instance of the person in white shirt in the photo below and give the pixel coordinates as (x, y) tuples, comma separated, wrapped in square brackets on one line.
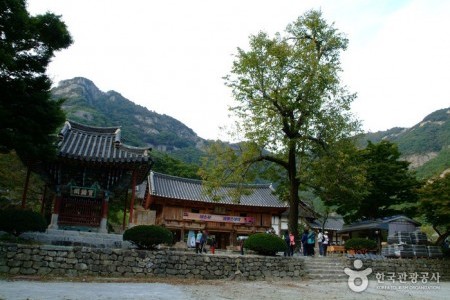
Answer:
[(325, 243), (320, 241)]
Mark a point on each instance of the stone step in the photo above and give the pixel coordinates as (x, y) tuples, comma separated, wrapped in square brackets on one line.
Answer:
[(319, 271), (323, 263), (324, 277)]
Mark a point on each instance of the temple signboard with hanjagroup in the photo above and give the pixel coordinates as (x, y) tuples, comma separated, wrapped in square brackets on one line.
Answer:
[(83, 191)]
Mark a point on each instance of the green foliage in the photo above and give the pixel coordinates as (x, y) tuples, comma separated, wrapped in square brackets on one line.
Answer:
[(392, 187), (28, 119), (360, 245), (148, 236), (432, 135), (340, 178), (165, 163), (12, 180), (265, 244), (18, 221), (290, 102), (435, 205)]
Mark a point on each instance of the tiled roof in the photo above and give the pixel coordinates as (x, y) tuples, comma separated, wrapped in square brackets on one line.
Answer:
[(332, 223), (190, 189), (102, 144), (382, 223)]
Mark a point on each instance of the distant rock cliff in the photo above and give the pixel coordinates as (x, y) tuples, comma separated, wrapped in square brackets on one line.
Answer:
[(426, 145), (85, 103)]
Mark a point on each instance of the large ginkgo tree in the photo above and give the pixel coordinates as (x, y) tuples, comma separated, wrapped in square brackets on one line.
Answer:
[(291, 106)]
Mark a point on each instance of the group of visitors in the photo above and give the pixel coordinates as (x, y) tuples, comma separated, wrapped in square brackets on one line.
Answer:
[(200, 241), (308, 241)]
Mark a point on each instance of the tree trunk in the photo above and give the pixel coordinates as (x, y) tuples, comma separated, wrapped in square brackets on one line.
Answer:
[(294, 184), (442, 238), (25, 188)]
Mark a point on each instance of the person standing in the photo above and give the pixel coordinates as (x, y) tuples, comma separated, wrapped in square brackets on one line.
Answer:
[(291, 244), (213, 245), (311, 242), (304, 241), (320, 241), (288, 246), (203, 241), (198, 240), (325, 243)]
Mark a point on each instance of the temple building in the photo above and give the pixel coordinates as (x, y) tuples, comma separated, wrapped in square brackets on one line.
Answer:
[(92, 168), (183, 206)]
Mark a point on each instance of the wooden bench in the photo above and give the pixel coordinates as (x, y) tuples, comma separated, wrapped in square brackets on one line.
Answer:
[(336, 249)]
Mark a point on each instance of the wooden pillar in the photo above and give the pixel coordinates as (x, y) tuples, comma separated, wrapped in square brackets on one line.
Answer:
[(25, 188), (133, 195), (148, 200), (125, 211), (182, 235)]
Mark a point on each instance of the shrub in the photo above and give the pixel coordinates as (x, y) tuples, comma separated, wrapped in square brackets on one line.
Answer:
[(148, 236), (17, 221), (360, 245), (265, 244)]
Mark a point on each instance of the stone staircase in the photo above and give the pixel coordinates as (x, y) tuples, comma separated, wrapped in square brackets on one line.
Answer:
[(325, 268)]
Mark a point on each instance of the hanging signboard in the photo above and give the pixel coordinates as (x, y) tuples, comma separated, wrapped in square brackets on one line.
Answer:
[(218, 218), (83, 191)]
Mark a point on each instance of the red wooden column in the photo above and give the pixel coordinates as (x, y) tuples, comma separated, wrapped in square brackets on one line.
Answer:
[(125, 211), (133, 195)]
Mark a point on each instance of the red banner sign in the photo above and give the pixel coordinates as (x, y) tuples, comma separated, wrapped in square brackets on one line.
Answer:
[(218, 218)]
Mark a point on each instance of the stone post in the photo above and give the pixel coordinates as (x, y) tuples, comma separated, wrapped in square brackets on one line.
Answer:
[(56, 207), (104, 221)]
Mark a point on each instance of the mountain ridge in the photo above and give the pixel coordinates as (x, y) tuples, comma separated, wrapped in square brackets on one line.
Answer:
[(85, 103), (427, 141)]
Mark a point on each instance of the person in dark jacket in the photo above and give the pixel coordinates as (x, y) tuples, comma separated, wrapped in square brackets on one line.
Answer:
[(311, 242), (203, 241), (304, 241), (287, 241)]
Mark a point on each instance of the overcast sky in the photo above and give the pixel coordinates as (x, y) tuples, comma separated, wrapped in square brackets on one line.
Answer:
[(170, 56)]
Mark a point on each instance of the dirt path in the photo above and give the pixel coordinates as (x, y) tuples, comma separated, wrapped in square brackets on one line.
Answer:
[(173, 289)]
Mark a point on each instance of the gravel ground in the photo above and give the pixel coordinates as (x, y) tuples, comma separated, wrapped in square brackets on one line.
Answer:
[(173, 289)]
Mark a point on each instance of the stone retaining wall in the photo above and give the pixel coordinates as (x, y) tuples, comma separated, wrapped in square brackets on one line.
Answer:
[(85, 261), (78, 261)]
